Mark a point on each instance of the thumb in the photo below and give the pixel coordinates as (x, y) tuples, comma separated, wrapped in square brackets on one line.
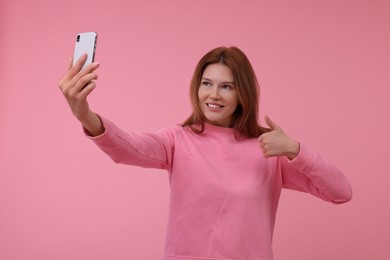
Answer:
[(272, 124)]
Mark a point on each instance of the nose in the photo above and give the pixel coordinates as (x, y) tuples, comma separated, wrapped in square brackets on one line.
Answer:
[(214, 94)]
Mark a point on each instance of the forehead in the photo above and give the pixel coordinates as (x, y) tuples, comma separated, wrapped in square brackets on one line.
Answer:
[(218, 72)]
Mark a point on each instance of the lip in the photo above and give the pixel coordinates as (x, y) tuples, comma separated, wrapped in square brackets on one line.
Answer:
[(214, 104)]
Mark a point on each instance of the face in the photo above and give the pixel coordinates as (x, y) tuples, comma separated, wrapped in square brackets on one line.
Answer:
[(217, 94)]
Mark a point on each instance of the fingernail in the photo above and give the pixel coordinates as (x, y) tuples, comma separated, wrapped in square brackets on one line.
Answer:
[(96, 63)]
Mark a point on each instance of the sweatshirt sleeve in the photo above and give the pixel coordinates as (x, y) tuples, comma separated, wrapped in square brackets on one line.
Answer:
[(148, 150), (312, 173)]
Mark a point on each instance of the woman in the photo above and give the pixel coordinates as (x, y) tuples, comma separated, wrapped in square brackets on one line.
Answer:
[(224, 193)]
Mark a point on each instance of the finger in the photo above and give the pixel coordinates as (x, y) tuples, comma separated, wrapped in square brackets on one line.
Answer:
[(271, 123), (263, 137), (87, 70), (80, 62), (84, 81), (76, 67), (87, 90), (91, 67), (67, 76), (70, 63), (265, 153)]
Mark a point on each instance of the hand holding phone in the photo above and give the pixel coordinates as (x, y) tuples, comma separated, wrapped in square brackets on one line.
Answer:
[(85, 43), (77, 84)]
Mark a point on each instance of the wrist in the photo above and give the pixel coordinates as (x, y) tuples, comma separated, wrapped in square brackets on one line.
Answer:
[(292, 149), (85, 117), (92, 123)]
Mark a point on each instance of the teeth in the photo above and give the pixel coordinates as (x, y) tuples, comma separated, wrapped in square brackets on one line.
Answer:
[(214, 106)]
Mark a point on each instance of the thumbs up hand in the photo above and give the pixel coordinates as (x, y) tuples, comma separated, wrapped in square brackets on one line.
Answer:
[(277, 143)]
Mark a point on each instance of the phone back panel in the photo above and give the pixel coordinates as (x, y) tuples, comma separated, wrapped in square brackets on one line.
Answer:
[(85, 43)]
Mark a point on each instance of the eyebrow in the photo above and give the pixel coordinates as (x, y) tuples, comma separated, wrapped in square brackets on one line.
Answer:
[(228, 82)]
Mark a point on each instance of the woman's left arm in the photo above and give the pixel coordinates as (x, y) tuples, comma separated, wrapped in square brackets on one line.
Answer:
[(304, 169), (310, 172)]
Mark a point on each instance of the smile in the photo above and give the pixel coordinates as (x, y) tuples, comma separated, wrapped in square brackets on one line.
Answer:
[(214, 105)]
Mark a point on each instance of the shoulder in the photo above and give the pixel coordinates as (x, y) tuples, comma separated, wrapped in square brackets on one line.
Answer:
[(175, 132), (175, 129)]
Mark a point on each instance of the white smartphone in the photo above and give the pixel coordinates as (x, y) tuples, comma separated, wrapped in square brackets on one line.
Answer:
[(85, 43)]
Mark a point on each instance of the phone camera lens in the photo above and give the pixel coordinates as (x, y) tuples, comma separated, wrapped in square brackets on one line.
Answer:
[(78, 38)]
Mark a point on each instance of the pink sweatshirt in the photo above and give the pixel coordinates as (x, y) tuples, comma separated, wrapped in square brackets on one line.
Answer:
[(224, 193)]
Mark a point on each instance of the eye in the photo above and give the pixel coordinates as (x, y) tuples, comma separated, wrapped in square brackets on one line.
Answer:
[(226, 87), (206, 83)]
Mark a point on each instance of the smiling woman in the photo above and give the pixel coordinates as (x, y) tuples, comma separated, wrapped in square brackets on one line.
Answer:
[(323, 71), (217, 95), (230, 67), (224, 195)]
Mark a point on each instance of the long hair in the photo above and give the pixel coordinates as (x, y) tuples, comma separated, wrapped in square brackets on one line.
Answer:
[(245, 118)]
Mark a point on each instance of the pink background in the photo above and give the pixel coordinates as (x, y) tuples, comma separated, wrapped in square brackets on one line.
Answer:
[(324, 70)]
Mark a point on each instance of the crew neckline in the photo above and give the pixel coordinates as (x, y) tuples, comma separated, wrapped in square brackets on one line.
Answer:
[(221, 129)]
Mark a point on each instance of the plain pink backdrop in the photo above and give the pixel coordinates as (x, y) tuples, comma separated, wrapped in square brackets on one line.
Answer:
[(324, 70)]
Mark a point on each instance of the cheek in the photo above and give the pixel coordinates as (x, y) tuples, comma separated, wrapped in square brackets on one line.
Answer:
[(200, 99), (233, 99), (201, 94)]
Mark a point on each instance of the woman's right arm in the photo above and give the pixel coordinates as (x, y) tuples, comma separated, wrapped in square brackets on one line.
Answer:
[(76, 85), (149, 150)]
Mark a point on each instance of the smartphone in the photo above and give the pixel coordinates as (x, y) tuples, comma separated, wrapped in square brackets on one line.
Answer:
[(85, 43)]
